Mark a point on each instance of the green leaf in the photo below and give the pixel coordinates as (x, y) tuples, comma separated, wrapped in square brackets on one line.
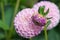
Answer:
[(9, 10), (2, 36), (3, 25), (53, 35), (41, 10), (48, 22), (46, 12)]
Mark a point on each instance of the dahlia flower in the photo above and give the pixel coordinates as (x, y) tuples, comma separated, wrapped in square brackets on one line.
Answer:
[(29, 23), (53, 12)]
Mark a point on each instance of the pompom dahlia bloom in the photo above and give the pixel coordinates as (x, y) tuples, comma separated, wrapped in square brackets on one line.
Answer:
[(29, 23), (53, 12)]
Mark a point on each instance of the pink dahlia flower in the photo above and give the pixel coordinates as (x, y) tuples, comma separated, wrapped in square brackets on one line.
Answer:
[(53, 12), (24, 24)]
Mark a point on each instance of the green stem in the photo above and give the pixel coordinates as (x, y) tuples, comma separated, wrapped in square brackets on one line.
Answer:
[(2, 11), (16, 9), (45, 31), (30, 39)]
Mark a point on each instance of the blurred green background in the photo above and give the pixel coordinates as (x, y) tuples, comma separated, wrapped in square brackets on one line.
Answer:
[(7, 10)]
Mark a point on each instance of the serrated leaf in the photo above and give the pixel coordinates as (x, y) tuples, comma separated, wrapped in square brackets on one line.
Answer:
[(41, 10), (3, 25)]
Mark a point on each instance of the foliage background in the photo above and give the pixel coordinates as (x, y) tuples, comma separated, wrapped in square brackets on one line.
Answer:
[(8, 7)]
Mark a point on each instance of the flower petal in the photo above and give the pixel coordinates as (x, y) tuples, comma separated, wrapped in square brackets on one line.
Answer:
[(24, 25), (53, 12)]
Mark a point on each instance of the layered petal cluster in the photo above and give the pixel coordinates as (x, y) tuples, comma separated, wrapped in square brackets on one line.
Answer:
[(53, 12), (29, 23), (24, 25)]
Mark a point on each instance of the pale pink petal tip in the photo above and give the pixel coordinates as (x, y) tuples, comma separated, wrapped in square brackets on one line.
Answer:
[(53, 12), (24, 25)]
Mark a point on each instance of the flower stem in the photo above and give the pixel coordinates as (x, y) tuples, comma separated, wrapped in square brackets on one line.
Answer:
[(2, 10), (15, 11), (3, 19), (30, 39), (45, 31)]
